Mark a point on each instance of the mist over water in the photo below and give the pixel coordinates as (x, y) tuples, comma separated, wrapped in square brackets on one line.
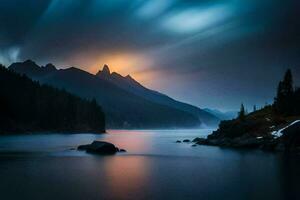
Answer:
[(45, 166)]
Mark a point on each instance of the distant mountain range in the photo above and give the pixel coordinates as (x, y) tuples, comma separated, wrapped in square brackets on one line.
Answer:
[(222, 115), (126, 103)]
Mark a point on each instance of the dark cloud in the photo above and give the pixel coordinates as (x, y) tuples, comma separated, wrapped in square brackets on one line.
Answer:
[(214, 53)]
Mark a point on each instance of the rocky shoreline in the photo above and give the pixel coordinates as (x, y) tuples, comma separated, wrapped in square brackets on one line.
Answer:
[(289, 141)]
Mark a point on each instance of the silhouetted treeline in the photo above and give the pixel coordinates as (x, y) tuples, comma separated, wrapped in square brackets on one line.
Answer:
[(257, 123), (287, 101), (25, 105)]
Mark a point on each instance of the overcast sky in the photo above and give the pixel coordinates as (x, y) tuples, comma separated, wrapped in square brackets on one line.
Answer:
[(211, 53)]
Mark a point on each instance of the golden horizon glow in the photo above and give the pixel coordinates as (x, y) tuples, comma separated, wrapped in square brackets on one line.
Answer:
[(132, 64), (122, 63), (136, 65)]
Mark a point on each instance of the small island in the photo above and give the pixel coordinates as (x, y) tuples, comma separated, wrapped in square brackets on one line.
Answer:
[(275, 127), (101, 148)]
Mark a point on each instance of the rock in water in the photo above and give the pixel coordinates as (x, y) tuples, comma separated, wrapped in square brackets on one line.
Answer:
[(199, 140), (186, 140), (99, 147)]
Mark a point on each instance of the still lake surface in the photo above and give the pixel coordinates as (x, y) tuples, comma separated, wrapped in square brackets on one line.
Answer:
[(45, 166)]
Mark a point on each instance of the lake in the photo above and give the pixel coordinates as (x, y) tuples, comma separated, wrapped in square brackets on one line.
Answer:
[(46, 166)]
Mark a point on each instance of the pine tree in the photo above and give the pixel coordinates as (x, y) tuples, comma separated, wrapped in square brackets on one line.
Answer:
[(285, 92), (242, 112), (288, 88), (254, 108)]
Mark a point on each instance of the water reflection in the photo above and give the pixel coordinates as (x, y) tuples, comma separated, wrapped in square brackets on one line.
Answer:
[(154, 142), (132, 141), (289, 180), (126, 176), (155, 167)]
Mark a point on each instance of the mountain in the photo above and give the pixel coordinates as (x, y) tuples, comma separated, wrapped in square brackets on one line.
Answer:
[(126, 103), (33, 70), (27, 106), (222, 115), (129, 84)]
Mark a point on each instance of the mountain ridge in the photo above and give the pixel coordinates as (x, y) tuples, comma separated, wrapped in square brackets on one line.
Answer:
[(126, 102), (228, 115), (27, 106), (138, 89)]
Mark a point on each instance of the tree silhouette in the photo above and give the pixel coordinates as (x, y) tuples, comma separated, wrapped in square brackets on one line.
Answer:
[(242, 112), (27, 106), (285, 93)]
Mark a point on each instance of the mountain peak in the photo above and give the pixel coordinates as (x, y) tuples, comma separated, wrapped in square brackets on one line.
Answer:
[(26, 65), (104, 72), (32, 69), (129, 77), (131, 80), (29, 62), (106, 69), (50, 67)]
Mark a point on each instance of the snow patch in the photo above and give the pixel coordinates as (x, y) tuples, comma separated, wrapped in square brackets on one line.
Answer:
[(279, 132)]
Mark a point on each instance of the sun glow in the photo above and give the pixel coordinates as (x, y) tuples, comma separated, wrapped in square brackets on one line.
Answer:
[(122, 63), (137, 65)]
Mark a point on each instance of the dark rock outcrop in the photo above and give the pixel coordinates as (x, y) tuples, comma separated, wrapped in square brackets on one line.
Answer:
[(186, 140), (288, 142), (239, 142), (100, 147), (198, 140)]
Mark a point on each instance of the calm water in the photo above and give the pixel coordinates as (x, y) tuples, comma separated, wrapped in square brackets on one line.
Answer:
[(155, 167)]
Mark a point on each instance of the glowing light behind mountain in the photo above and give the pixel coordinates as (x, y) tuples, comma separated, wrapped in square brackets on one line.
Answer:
[(195, 51)]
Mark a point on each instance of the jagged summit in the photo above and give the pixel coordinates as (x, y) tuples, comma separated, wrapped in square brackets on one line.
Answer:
[(50, 67), (32, 69), (128, 77), (105, 69), (131, 80), (107, 74), (104, 72), (25, 67), (29, 62)]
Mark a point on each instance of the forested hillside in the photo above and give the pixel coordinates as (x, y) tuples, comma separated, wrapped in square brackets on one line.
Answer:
[(274, 127), (27, 106)]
